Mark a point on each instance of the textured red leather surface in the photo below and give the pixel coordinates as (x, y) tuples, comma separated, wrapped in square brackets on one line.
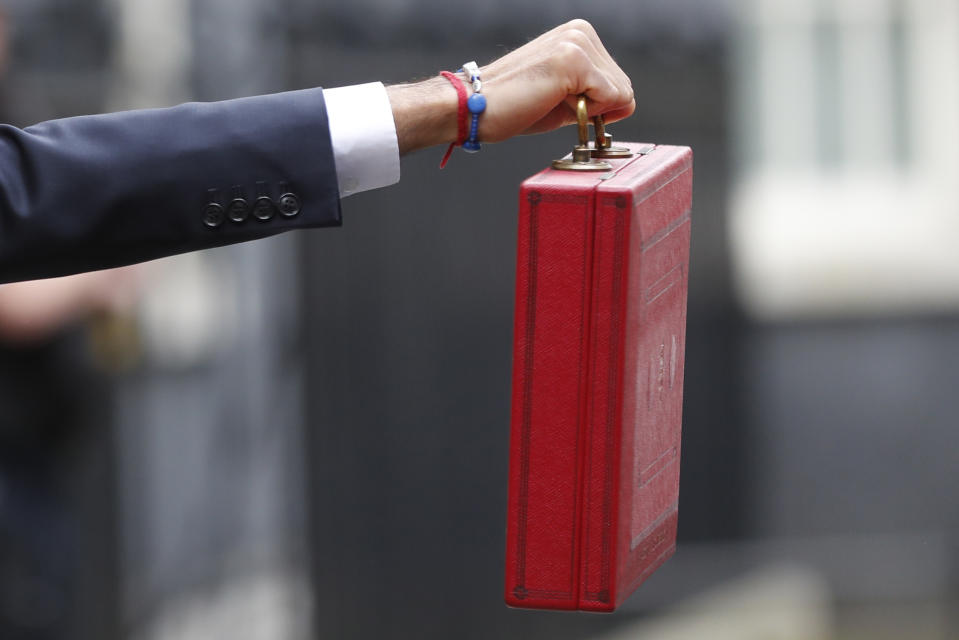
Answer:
[(599, 346)]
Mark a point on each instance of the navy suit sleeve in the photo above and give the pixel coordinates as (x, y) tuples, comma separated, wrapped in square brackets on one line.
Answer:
[(93, 192)]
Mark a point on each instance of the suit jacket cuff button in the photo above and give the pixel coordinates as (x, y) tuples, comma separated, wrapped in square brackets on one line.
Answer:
[(289, 205), (213, 215), (263, 208)]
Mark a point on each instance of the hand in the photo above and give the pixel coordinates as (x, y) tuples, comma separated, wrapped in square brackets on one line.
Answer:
[(530, 90)]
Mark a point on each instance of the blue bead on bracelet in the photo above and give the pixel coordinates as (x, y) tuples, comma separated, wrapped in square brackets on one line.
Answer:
[(476, 105)]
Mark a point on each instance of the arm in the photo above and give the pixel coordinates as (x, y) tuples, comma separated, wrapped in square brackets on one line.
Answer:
[(89, 193), (99, 191)]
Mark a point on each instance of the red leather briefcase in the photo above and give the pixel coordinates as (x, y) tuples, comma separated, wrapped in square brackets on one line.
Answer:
[(598, 355)]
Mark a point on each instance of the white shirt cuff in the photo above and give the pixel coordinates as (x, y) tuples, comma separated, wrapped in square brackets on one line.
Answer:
[(365, 149)]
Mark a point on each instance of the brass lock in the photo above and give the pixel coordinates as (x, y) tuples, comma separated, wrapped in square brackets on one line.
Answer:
[(604, 142), (584, 156)]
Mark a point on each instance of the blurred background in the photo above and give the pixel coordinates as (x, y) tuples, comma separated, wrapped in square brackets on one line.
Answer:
[(306, 436)]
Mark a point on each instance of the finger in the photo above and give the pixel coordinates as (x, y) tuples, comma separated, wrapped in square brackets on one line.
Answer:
[(620, 114), (586, 37), (565, 114), (559, 116), (587, 72), (600, 55), (603, 95)]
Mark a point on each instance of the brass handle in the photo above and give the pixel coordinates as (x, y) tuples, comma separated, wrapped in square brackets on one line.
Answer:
[(582, 119), (582, 158)]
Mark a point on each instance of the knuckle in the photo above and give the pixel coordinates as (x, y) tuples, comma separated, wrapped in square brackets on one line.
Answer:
[(578, 38), (582, 26), (569, 52)]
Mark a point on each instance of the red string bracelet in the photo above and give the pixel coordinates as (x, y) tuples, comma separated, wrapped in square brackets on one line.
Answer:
[(461, 115)]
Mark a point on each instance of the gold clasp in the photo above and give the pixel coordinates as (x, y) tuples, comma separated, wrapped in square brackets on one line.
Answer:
[(604, 143), (584, 156)]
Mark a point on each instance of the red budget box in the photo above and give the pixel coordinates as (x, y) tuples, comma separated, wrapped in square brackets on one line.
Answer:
[(599, 346)]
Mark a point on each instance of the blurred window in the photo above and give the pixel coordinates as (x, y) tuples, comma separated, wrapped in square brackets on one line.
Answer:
[(847, 117)]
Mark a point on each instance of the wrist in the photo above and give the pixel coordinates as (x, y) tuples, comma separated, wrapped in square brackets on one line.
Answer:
[(425, 113)]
